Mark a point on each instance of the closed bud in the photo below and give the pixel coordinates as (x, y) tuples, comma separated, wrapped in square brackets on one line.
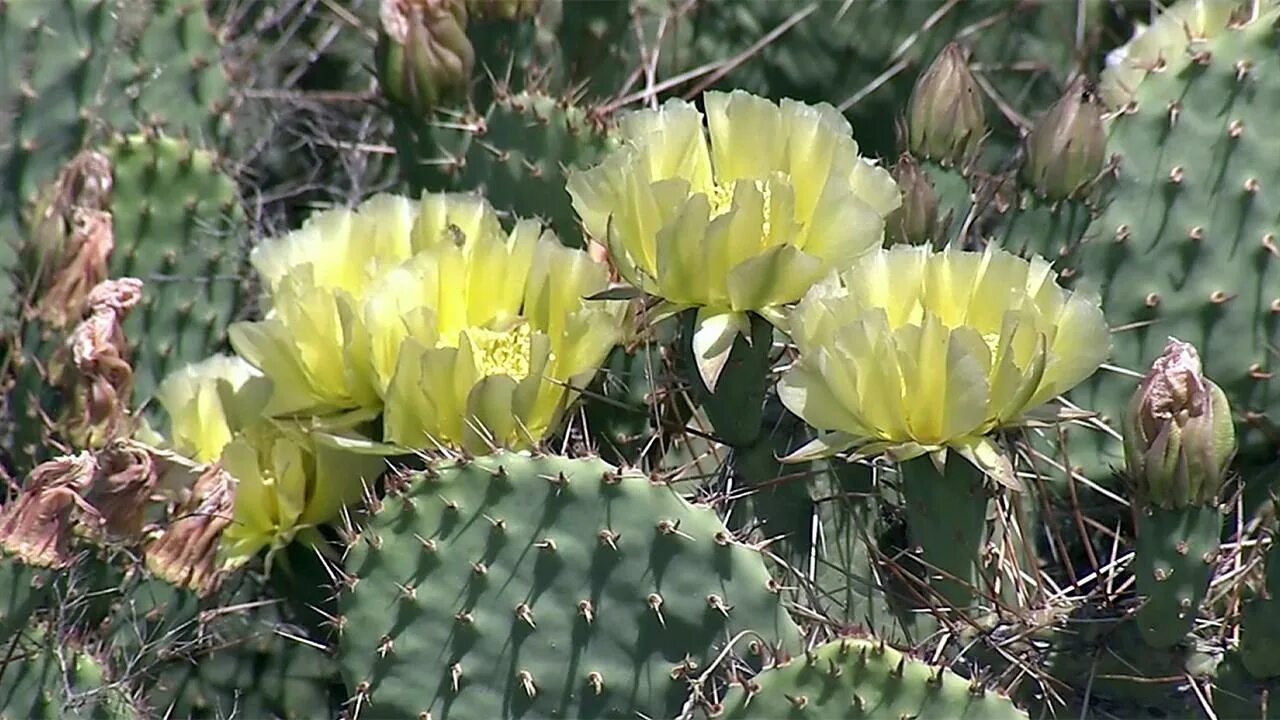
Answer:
[(916, 220), (1178, 436), (947, 121), (503, 9), (423, 56), (1067, 145)]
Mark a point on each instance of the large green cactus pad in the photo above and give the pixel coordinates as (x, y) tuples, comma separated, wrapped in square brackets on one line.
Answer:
[(178, 228), (1189, 245), (862, 678), (514, 586)]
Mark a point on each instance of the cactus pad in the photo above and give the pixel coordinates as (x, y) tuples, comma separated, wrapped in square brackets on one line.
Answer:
[(862, 678), (1189, 245), (516, 153), (178, 228), (513, 586)]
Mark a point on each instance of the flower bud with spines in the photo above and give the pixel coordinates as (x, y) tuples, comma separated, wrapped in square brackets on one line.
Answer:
[(1067, 145), (916, 221), (1178, 436), (946, 120), (423, 54)]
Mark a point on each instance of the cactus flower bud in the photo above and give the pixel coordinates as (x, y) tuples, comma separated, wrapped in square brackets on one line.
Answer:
[(916, 220), (1178, 436), (1066, 147), (423, 52), (946, 119)]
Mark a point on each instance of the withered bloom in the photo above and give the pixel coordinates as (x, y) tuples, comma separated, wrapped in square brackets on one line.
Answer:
[(37, 526), (186, 553), (125, 480), (101, 377)]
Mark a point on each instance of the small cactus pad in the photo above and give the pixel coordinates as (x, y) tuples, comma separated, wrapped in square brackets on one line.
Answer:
[(1173, 562), (863, 678), (178, 228), (514, 586)]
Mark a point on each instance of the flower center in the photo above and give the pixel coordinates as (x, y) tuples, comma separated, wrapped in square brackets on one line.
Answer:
[(721, 200), (504, 352)]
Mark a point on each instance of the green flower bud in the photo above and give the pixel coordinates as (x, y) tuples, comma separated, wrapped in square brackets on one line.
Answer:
[(1066, 147), (916, 220), (947, 121), (423, 54), (1178, 436)]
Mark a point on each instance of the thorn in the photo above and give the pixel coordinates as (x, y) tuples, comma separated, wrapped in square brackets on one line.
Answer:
[(717, 603), (587, 611), (455, 676), (407, 592), (668, 527), (480, 568), (655, 603), (684, 668), (858, 703), (798, 702), (610, 538), (611, 478), (1175, 109), (1177, 174), (427, 543), (464, 617), (1123, 233), (902, 666), (385, 646), (1243, 68), (450, 505), (1195, 233), (524, 613), (1269, 242), (1235, 129), (526, 681), (1257, 373), (596, 681), (548, 544), (1218, 297), (1153, 300), (499, 525), (722, 538)]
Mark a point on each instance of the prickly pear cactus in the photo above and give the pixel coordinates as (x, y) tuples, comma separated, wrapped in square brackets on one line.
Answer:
[(179, 228), (1188, 245), (45, 678), (862, 678), (516, 152), (516, 586)]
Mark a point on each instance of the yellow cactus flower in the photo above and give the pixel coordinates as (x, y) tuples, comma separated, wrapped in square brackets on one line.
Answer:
[(741, 217), (335, 258), (913, 351), (475, 339), (287, 484), (207, 402)]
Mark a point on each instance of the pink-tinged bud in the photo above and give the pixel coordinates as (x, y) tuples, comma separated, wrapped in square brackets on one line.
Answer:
[(916, 220), (423, 55), (1178, 436), (37, 526), (947, 121), (186, 553), (1067, 145)]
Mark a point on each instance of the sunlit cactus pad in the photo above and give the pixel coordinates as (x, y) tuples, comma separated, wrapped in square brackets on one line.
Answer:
[(516, 586)]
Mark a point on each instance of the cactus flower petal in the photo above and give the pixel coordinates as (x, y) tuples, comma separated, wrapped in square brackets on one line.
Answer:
[(912, 351)]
